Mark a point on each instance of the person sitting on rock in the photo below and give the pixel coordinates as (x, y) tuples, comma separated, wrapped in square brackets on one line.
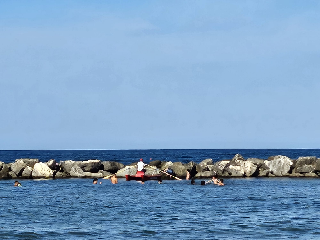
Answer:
[(17, 184)]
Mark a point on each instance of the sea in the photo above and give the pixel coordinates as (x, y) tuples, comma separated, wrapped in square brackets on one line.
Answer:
[(245, 208)]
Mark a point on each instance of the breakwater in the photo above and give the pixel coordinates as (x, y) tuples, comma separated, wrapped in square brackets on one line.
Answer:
[(238, 166)]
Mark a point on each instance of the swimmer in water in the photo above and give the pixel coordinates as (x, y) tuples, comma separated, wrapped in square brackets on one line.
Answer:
[(17, 184)]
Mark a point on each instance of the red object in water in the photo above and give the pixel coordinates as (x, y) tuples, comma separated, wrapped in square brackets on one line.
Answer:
[(140, 176)]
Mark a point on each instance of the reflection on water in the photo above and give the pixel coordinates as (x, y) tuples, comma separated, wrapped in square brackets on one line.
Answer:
[(280, 208)]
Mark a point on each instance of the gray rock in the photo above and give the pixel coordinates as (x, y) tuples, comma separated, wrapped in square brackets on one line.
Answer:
[(28, 161), (156, 163), (279, 166), (250, 169), (4, 171), (235, 170), (41, 170), (76, 171), (236, 158), (90, 165), (179, 169), (105, 173), (128, 170), (205, 174), (18, 166), (61, 175), (27, 172), (203, 165), (65, 166), (305, 165), (111, 166), (12, 175), (311, 175)]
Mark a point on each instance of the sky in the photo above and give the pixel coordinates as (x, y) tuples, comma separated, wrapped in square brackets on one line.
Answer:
[(159, 74)]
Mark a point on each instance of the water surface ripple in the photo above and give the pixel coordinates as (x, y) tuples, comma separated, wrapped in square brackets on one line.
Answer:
[(264, 208)]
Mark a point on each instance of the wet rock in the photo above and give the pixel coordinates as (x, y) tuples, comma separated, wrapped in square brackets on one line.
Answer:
[(111, 166), (41, 170), (61, 175), (279, 166)]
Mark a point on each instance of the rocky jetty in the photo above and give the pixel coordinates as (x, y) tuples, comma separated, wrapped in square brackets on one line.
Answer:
[(274, 166)]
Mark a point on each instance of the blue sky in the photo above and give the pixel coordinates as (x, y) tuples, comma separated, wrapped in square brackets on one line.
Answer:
[(159, 74)]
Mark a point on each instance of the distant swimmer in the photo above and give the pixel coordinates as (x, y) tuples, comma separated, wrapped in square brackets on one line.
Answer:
[(214, 180), (17, 184), (95, 181), (220, 182)]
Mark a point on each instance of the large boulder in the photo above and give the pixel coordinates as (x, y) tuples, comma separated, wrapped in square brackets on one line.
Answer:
[(90, 165), (41, 170), (18, 166), (27, 172), (305, 165), (250, 169), (279, 166), (76, 171), (111, 166), (179, 169), (65, 166), (155, 163), (128, 170), (203, 165), (28, 161), (219, 168), (4, 170), (235, 168)]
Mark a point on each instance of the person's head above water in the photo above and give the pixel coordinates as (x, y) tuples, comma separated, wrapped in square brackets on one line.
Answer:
[(17, 184), (95, 181)]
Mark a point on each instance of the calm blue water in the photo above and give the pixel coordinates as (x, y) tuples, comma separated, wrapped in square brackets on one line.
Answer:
[(279, 208), (174, 155), (255, 208)]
